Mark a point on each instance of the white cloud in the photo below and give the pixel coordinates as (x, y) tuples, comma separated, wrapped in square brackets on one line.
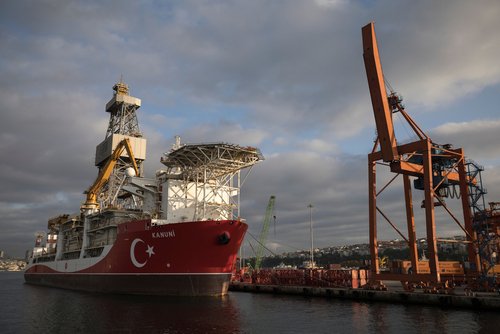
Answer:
[(440, 54), (320, 146), (227, 132), (286, 76), (330, 3), (479, 138)]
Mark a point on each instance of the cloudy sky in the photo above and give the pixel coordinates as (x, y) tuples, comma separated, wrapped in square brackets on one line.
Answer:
[(285, 76)]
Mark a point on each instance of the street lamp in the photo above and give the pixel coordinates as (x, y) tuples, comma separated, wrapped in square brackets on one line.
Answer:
[(310, 206)]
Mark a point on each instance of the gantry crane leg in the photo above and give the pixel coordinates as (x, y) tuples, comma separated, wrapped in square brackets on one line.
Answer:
[(410, 220), (429, 213), (372, 200)]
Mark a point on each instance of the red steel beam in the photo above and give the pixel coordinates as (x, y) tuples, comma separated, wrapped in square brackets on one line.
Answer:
[(381, 110)]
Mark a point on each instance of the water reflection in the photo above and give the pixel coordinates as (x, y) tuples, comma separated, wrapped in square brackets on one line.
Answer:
[(359, 316), (421, 319), (32, 309), (54, 310)]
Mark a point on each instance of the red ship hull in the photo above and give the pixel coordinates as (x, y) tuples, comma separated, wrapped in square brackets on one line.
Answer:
[(188, 259)]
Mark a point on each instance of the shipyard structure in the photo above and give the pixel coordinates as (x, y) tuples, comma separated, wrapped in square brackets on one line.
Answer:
[(175, 234)]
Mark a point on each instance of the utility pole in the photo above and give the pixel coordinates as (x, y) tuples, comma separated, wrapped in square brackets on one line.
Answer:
[(310, 206)]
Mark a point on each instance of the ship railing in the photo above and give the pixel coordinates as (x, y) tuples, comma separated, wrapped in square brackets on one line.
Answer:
[(70, 255), (44, 258), (102, 227), (97, 245)]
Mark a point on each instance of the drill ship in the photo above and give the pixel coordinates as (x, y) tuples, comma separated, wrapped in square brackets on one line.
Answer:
[(176, 234)]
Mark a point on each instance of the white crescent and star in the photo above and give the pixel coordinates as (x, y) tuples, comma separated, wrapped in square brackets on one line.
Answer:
[(149, 251)]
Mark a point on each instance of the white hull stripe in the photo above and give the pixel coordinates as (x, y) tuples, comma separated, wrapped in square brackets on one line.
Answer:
[(128, 274)]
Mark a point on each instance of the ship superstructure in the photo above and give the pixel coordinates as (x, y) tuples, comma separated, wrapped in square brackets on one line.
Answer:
[(175, 234)]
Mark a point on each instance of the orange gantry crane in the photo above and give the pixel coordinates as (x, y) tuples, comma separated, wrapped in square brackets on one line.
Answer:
[(435, 169)]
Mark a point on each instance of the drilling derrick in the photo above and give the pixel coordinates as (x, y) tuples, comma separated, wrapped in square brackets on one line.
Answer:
[(123, 127), (122, 112)]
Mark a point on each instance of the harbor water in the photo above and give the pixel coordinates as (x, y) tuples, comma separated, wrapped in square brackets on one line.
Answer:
[(32, 309)]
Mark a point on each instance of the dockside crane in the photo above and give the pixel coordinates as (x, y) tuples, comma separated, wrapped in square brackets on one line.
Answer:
[(435, 168), (264, 232)]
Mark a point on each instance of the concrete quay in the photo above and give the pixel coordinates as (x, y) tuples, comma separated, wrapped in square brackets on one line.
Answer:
[(478, 301)]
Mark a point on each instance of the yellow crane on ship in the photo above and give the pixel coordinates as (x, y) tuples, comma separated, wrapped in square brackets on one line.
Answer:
[(105, 173)]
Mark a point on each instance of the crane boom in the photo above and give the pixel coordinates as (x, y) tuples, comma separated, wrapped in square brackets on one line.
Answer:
[(435, 168), (264, 232), (381, 110), (105, 172)]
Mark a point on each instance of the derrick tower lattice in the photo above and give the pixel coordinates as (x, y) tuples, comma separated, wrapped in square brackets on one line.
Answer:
[(123, 124), (122, 109)]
